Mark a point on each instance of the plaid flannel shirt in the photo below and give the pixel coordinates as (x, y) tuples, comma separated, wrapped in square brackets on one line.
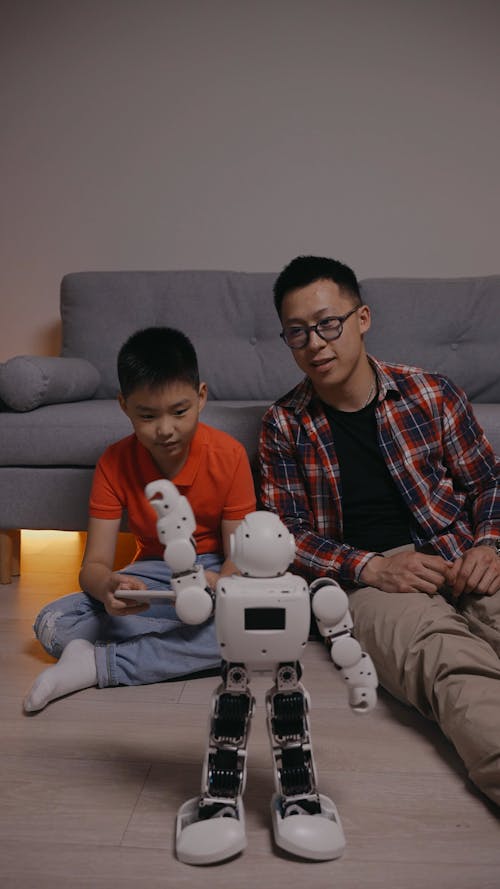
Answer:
[(434, 448)]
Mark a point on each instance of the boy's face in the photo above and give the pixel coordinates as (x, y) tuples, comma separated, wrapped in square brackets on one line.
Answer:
[(165, 420)]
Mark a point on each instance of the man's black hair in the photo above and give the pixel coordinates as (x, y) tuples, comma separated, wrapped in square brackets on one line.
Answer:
[(304, 270), (155, 356)]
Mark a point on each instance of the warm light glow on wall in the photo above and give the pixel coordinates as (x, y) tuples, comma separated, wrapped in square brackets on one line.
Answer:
[(33, 542), (56, 544), (51, 536)]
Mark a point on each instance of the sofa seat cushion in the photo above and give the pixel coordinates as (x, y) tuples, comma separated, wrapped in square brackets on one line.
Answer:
[(77, 434), (72, 434)]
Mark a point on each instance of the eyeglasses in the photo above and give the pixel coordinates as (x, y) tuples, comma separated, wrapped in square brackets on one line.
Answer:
[(296, 336)]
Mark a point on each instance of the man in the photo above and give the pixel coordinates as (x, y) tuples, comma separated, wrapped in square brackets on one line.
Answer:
[(388, 484)]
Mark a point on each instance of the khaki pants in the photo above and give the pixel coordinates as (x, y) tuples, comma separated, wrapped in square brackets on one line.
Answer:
[(443, 661)]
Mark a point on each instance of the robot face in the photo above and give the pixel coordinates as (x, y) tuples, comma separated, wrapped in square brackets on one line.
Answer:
[(261, 546)]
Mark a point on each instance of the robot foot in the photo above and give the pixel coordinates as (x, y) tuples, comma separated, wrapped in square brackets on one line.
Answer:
[(208, 840), (319, 836)]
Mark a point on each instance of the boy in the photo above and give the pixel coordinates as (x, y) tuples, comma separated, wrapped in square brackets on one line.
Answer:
[(100, 638)]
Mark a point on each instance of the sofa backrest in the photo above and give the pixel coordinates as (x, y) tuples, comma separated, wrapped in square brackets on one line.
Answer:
[(446, 325), (229, 316), (451, 326)]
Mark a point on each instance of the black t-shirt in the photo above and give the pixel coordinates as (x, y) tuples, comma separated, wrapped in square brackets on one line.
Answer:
[(374, 513)]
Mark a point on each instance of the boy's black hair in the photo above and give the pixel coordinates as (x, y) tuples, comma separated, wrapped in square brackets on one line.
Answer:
[(304, 270), (155, 356)]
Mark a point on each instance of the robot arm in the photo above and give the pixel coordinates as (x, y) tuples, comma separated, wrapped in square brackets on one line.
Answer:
[(194, 602), (330, 607)]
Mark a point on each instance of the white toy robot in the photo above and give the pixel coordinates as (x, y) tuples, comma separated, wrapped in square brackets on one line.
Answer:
[(262, 620)]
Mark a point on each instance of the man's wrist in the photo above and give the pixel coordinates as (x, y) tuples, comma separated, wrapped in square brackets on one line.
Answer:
[(368, 574), (492, 543)]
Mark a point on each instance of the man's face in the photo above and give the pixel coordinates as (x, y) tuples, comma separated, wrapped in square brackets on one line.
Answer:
[(334, 363), (165, 419)]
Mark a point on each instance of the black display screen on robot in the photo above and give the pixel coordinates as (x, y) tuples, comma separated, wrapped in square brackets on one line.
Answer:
[(265, 619), (262, 619)]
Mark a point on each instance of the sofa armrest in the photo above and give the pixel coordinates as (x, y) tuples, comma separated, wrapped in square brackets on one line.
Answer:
[(29, 381)]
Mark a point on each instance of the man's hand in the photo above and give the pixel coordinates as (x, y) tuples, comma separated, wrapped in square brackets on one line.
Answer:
[(477, 571), (117, 607), (406, 572)]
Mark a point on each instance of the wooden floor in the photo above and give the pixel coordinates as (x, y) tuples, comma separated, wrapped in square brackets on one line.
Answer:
[(90, 786)]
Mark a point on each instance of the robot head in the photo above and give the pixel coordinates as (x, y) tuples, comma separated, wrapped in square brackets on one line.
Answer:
[(261, 546)]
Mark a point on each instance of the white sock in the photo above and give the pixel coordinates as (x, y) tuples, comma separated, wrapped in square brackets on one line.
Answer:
[(74, 670)]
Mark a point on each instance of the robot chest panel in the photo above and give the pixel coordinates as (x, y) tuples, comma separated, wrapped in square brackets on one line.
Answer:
[(262, 621)]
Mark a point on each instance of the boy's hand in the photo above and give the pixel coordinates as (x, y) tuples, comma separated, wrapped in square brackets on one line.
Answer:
[(227, 569), (477, 571), (117, 607), (406, 572), (212, 578)]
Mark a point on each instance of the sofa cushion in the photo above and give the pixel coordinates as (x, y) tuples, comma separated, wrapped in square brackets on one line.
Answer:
[(451, 326), (61, 434), (77, 434), (229, 316), (26, 382), (488, 417)]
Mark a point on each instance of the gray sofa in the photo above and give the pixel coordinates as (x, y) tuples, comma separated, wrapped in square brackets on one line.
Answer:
[(58, 414)]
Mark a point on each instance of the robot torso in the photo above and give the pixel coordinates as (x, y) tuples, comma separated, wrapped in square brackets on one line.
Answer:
[(262, 621)]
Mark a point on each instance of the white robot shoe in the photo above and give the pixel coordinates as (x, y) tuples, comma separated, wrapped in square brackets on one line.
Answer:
[(210, 840), (319, 837)]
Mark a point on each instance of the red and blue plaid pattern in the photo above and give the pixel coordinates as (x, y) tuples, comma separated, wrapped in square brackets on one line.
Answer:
[(436, 452)]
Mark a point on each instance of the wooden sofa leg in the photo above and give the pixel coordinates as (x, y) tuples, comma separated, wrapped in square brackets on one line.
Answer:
[(10, 555)]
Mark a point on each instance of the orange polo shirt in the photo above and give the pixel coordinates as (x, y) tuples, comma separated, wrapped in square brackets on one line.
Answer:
[(216, 479)]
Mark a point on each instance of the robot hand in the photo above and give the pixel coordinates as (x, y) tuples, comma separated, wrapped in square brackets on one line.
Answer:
[(194, 603), (175, 527), (358, 671), (330, 607)]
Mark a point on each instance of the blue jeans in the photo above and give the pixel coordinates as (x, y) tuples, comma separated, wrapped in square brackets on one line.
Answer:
[(135, 649)]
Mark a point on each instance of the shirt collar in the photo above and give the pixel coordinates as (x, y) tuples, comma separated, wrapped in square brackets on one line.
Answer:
[(386, 381), (304, 394)]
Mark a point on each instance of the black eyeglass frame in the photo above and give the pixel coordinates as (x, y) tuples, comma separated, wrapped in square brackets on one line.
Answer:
[(309, 328)]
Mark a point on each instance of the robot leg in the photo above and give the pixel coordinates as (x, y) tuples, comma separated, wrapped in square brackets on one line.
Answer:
[(211, 827), (305, 822)]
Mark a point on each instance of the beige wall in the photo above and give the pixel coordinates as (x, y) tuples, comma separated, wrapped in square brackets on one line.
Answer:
[(227, 134)]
